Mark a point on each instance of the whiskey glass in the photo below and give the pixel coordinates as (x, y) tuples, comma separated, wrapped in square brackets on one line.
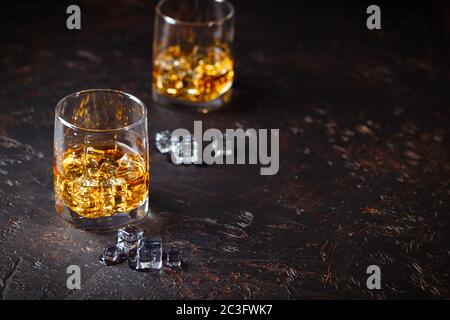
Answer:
[(101, 161), (193, 64)]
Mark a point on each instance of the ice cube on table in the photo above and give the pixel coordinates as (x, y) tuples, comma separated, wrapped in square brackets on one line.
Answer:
[(149, 254), (130, 233), (112, 255), (186, 152), (132, 259), (173, 259), (128, 238), (164, 141)]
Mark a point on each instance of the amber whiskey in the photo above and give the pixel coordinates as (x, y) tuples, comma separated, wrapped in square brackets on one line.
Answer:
[(196, 75), (99, 181)]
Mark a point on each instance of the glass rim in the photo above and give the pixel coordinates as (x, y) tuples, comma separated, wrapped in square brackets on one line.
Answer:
[(209, 23), (135, 124)]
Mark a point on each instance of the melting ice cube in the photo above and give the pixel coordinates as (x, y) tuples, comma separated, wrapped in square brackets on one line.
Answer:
[(164, 141), (173, 259), (186, 151), (128, 238), (112, 255), (149, 254)]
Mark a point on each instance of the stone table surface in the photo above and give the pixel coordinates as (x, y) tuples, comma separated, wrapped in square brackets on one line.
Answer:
[(364, 155)]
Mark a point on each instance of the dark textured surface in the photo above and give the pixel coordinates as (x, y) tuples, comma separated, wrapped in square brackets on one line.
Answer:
[(364, 163)]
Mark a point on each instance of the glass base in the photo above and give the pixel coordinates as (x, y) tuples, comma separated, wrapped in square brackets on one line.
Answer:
[(203, 107), (109, 223)]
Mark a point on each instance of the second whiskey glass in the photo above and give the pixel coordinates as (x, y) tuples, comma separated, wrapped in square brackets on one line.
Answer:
[(193, 64)]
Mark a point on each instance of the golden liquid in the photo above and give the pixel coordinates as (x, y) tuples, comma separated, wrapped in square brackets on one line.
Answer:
[(98, 181), (200, 75)]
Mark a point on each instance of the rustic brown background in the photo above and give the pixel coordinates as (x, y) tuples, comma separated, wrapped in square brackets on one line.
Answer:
[(364, 164)]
